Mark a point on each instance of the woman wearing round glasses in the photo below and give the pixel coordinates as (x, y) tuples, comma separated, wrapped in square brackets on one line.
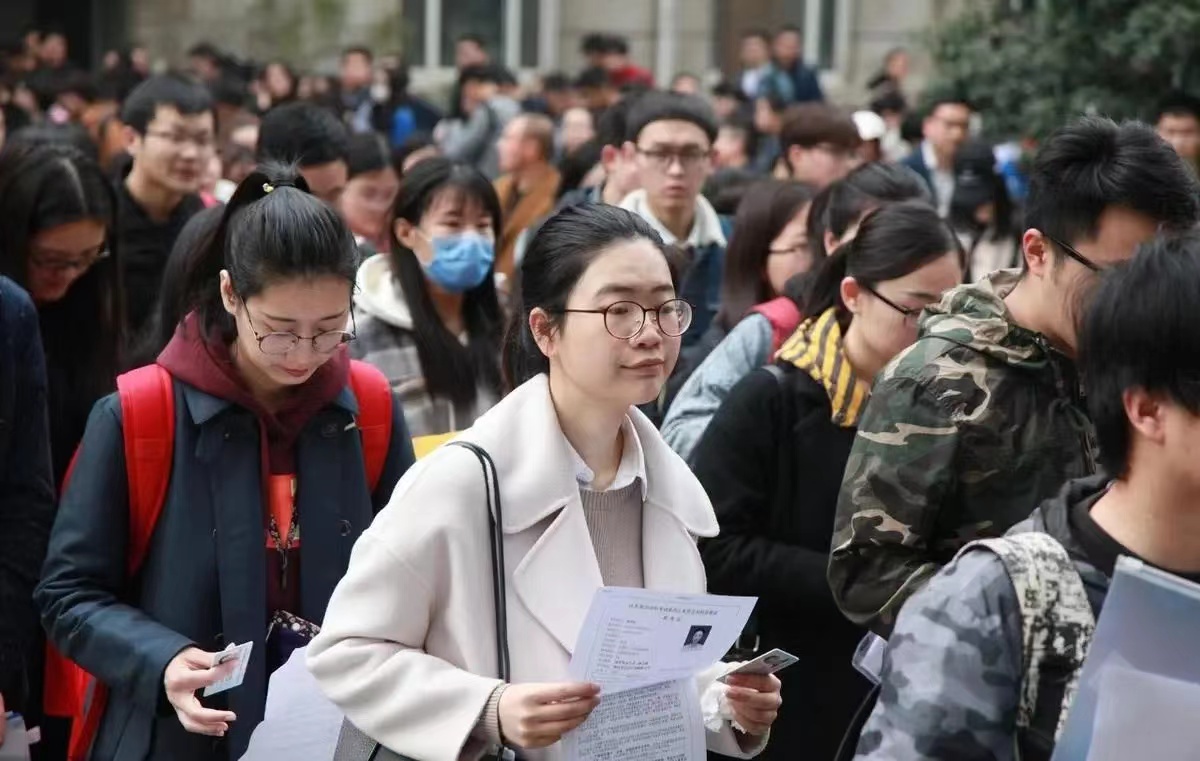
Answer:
[(268, 487), (591, 496)]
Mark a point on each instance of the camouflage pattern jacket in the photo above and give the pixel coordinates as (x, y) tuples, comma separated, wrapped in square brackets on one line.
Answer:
[(952, 677), (966, 430)]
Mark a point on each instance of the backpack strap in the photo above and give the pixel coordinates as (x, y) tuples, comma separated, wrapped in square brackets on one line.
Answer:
[(784, 316), (148, 420), (374, 395), (1057, 624)]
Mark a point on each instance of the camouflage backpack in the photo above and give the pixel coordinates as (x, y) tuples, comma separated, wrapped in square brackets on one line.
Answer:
[(1056, 629)]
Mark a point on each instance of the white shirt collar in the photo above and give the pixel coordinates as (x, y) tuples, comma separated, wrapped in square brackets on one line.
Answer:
[(706, 228), (943, 179), (632, 467)]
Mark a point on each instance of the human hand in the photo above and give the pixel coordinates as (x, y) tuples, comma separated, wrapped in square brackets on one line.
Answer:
[(189, 671), (755, 701), (538, 715)]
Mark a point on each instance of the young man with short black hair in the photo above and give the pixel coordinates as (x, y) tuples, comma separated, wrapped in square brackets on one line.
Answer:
[(170, 132), (312, 137), (1178, 122), (983, 416), (789, 75), (960, 681), (670, 140), (356, 74), (946, 127), (819, 143)]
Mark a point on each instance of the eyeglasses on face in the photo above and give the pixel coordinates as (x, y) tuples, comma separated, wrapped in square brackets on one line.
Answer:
[(279, 342), (663, 158), (178, 140), (1071, 251), (625, 320), (58, 261), (910, 314)]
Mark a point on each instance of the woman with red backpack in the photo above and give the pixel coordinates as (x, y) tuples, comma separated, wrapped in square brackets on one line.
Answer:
[(215, 499)]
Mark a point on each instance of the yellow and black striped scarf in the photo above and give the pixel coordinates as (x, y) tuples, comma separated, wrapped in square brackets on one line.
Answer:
[(816, 348)]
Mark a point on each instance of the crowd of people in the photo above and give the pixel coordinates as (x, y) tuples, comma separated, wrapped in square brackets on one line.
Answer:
[(736, 340)]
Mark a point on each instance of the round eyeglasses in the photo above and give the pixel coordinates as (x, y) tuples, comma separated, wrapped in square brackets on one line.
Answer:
[(281, 343), (626, 319)]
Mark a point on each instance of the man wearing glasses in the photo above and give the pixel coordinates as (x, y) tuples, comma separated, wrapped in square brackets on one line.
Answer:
[(983, 416), (945, 130), (169, 132), (670, 140)]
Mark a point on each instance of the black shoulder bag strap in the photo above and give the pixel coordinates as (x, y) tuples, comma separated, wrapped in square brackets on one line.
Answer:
[(491, 477), (353, 744)]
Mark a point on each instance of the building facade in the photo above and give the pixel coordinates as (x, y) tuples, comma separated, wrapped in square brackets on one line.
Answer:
[(847, 38)]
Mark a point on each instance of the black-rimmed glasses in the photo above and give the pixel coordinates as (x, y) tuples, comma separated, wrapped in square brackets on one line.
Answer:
[(909, 313), (1070, 251), (626, 319), (56, 262), (279, 342)]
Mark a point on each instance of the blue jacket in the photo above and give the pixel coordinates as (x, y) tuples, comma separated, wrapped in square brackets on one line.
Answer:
[(26, 489), (701, 287), (204, 580)]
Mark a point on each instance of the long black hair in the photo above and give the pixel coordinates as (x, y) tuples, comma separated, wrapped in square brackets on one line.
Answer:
[(764, 212), (556, 259), (271, 230), (44, 185), (451, 370), (893, 241)]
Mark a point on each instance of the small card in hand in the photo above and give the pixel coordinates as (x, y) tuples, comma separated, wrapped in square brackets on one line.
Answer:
[(767, 663)]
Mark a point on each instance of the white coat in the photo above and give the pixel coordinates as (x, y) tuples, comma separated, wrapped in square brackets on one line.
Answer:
[(407, 649)]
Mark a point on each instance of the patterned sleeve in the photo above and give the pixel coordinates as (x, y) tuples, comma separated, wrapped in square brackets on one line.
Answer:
[(901, 470), (952, 676)]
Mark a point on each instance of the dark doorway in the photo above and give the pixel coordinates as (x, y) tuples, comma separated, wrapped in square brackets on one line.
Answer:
[(91, 26)]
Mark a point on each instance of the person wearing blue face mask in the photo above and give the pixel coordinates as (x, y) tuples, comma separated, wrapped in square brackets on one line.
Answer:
[(428, 313)]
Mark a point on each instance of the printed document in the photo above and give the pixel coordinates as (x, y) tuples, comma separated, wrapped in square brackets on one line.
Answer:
[(645, 650)]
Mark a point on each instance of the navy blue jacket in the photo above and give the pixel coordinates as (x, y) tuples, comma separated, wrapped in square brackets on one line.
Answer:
[(701, 287), (204, 580), (26, 488), (916, 162)]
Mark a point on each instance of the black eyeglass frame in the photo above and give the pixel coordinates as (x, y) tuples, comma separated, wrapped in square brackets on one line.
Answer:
[(347, 336), (657, 311)]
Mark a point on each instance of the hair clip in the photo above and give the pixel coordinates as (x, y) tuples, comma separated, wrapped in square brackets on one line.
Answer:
[(268, 187)]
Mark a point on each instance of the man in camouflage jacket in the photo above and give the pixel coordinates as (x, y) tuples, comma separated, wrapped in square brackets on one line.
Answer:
[(975, 424), (981, 419), (958, 673)]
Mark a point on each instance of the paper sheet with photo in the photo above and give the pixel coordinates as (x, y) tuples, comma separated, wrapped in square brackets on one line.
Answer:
[(645, 649), (635, 637)]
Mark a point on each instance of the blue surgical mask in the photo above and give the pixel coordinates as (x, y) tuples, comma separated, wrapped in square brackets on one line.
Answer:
[(460, 262)]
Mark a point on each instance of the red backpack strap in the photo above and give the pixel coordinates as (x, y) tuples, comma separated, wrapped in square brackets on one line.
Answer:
[(374, 395), (147, 397), (784, 316), (148, 415)]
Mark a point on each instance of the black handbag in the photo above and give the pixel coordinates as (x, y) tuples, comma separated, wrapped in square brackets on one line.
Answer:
[(355, 745)]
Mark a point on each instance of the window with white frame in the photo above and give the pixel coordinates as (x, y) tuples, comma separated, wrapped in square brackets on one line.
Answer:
[(510, 29)]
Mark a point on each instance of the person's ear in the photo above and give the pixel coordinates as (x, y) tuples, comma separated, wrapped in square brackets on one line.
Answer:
[(407, 233), (1039, 259), (851, 293), (795, 159), (628, 151), (609, 155), (542, 328), (229, 298), (1146, 414), (131, 141)]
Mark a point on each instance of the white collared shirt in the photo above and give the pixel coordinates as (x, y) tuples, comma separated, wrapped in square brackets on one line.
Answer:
[(706, 227), (943, 179), (631, 468)]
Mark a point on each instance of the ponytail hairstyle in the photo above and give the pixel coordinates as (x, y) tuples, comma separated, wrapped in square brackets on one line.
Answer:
[(558, 256), (273, 229), (893, 241), (45, 184), (451, 370)]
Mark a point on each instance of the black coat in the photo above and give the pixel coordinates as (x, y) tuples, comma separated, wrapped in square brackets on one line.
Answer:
[(772, 460), (204, 580), (26, 492)]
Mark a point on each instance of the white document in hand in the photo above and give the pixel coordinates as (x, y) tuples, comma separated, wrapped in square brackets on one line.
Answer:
[(645, 649), (635, 637)]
